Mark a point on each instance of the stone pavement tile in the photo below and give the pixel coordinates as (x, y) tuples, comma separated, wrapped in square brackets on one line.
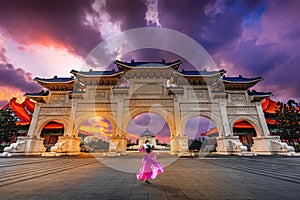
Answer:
[(184, 179), (140, 189), (217, 195), (138, 196), (156, 189), (89, 197), (158, 197), (194, 194)]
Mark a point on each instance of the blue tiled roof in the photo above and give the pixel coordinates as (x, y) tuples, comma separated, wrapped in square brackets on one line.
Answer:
[(204, 72), (91, 72), (55, 79), (42, 93), (147, 64), (98, 73), (147, 133), (240, 79), (253, 93)]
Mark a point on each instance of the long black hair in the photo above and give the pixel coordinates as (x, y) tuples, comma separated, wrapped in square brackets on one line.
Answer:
[(148, 146)]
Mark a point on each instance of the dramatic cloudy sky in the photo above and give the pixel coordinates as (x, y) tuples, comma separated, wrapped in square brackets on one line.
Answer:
[(252, 38)]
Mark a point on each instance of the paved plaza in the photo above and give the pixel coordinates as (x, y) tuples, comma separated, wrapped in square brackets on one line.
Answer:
[(92, 176)]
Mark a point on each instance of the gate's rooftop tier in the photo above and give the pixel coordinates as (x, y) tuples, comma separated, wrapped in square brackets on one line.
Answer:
[(239, 82), (168, 70), (57, 83), (38, 96)]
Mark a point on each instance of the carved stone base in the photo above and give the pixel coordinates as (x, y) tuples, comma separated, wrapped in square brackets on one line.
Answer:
[(25, 146), (112, 154), (117, 146), (66, 146), (231, 145), (179, 146), (271, 145)]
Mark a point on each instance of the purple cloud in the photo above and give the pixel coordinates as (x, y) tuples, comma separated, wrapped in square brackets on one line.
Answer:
[(17, 79), (252, 38), (56, 23)]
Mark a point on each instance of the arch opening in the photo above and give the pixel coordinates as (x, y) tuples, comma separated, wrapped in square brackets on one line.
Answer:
[(246, 131), (94, 134), (50, 132), (201, 133), (148, 126)]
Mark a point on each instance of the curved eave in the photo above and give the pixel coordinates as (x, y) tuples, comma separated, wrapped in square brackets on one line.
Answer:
[(259, 97), (125, 66), (35, 95), (254, 81), (44, 81)]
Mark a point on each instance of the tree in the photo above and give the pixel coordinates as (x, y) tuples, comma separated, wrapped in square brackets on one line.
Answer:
[(8, 127), (288, 119)]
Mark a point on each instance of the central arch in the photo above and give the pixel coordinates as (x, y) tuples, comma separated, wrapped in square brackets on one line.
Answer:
[(165, 115), (144, 126)]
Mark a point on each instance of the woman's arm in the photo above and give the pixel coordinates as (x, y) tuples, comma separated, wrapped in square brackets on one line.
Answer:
[(141, 149)]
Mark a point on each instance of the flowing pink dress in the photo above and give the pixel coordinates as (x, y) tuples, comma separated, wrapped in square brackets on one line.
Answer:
[(150, 168)]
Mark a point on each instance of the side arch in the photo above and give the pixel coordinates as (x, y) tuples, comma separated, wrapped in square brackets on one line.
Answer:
[(87, 115), (43, 121), (211, 116), (253, 121)]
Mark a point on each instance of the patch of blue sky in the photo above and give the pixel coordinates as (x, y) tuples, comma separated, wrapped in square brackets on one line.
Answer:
[(254, 16)]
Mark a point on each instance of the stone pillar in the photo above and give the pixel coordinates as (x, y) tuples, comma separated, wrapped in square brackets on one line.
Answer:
[(179, 131), (117, 146), (71, 123), (224, 118), (179, 141), (119, 119), (32, 128), (228, 144), (179, 146), (118, 142), (262, 120)]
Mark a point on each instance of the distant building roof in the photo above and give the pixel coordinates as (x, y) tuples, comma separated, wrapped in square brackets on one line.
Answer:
[(23, 110), (269, 106), (147, 133)]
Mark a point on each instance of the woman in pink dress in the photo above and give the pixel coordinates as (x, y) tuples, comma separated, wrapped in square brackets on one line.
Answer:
[(150, 168)]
